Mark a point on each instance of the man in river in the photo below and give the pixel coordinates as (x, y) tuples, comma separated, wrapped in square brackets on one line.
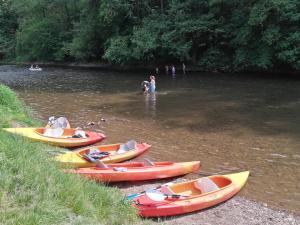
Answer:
[(149, 86), (173, 69), (183, 68)]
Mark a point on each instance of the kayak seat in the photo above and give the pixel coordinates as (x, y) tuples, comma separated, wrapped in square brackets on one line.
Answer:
[(206, 185), (148, 162), (130, 145), (53, 132), (167, 190)]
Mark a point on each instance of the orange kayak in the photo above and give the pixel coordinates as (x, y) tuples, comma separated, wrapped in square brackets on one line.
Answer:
[(66, 139), (88, 157), (135, 171), (181, 198)]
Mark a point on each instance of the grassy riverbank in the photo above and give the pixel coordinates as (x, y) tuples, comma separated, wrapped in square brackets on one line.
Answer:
[(34, 191)]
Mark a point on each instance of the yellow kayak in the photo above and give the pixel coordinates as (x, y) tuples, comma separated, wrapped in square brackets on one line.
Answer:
[(114, 153), (67, 138)]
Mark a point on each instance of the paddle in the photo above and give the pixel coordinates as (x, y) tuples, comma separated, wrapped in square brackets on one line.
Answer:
[(159, 196), (135, 195), (89, 158), (98, 162)]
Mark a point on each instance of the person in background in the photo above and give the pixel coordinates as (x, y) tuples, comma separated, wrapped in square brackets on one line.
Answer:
[(152, 84), (173, 69), (183, 68), (156, 70), (145, 86), (167, 69)]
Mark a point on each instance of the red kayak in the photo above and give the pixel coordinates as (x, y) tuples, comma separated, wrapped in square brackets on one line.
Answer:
[(137, 171), (181, 198)]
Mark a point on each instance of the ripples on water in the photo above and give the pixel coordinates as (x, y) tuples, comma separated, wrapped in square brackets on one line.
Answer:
[(229, 122)]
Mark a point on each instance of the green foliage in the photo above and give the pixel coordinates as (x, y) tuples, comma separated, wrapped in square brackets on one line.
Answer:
[(8, 26), (214, 34), (118, 51), (262, 39), (289, 49), (38, 40)]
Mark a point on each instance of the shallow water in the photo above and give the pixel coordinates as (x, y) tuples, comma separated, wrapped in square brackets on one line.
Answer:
[(229, 122)]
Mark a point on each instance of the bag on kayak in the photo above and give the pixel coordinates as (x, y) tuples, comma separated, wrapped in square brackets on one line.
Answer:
[(60, 122), (79, 134), (96, 154)]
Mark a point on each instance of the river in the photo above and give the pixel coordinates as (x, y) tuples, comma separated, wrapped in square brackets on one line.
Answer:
[(228, 122)]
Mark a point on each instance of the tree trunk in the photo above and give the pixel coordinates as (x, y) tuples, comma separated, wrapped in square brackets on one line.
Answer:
[(162, 6)]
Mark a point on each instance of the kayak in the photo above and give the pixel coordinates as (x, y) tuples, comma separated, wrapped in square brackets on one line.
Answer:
[(88, 157), (35, 69), (137, 171), (66, 139), (186, 197)]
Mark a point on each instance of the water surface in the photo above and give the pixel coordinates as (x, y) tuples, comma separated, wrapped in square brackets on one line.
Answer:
[(229, 122)]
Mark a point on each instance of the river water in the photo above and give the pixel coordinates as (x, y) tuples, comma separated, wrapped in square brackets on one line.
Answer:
[(228, 122)]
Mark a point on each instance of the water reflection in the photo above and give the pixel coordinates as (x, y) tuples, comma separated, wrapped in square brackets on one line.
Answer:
[(150, 104)]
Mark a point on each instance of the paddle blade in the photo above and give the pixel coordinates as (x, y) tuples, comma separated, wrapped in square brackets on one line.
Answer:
[(156, 195)]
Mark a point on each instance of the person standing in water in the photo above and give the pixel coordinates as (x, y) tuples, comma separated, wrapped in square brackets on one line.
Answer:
[(173, 70), (152, 86), (183, 68), (167, 69), (145, 86)]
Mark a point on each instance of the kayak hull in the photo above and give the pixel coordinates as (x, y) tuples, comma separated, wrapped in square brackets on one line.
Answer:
[(66, 140), (137, 171), (75, 159), (192, 202)]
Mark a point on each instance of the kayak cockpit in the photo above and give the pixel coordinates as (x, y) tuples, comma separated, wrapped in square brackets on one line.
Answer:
[(195, 187), (61, 133)]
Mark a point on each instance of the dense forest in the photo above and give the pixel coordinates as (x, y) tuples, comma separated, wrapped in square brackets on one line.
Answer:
[(224, 35)]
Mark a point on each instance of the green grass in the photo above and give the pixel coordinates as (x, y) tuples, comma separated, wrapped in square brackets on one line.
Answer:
[(34, 190), (12, 109)]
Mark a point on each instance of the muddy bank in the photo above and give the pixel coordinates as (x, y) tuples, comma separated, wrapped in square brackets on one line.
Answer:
[(238, 210)]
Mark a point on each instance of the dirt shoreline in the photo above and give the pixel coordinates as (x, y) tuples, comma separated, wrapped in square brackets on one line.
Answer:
[(237, 210)]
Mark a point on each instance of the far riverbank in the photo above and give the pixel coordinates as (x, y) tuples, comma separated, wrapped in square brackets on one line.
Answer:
[(148, 68)]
